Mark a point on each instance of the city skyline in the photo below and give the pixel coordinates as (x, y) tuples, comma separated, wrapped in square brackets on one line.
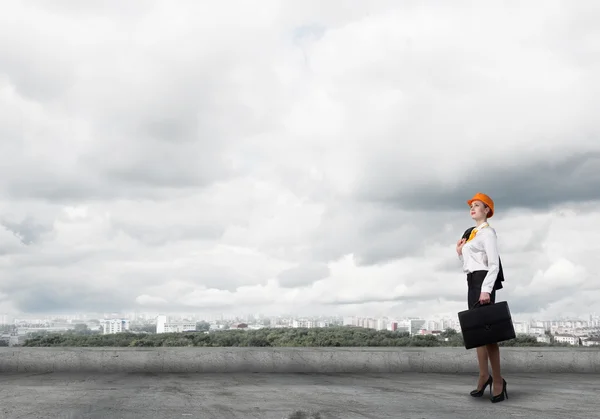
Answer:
[(575, 332), (304, 157), (8, 318)]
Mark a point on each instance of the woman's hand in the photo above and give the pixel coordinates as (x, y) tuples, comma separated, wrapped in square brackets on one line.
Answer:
[(484, 298), (459, 246)]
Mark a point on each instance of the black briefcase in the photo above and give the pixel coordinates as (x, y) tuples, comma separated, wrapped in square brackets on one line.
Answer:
[(487, 323)]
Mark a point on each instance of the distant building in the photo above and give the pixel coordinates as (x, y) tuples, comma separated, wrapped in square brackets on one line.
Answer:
[(256, 326), (543, 339), (595, 341), (403, 328), (303, 323), (566, 338), (534, 330), (164, 326), (430, 332), (112, 326), (521, 328), (415, 326)]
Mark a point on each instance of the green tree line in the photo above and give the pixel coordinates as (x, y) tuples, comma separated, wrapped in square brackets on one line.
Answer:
[(268, 337)]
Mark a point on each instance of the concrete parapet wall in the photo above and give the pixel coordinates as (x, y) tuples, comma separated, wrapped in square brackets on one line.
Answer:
[(292, 360)]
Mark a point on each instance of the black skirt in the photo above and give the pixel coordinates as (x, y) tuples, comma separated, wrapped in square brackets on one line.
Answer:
[(475, 280)]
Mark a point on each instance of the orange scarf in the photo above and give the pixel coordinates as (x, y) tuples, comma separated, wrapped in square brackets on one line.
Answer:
[(474, 232)]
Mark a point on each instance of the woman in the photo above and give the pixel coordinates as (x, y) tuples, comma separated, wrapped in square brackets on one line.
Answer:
[(479, 255)]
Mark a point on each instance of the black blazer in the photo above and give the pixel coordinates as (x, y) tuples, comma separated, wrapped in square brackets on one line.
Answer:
[(500, 277)]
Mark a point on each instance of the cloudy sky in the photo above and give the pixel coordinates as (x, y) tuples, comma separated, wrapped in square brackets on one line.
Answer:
[(301, 156)]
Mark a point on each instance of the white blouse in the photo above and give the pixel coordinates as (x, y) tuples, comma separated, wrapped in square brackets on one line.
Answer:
[(481, 254)]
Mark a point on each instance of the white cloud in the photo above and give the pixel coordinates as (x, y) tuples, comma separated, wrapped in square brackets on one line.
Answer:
[(148, 300), (295, 157)]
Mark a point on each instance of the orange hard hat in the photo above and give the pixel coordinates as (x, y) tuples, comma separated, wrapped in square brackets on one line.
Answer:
[(485, 199)]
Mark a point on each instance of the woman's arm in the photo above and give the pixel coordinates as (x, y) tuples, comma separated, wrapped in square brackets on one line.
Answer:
[(490, 245), (459, 246)]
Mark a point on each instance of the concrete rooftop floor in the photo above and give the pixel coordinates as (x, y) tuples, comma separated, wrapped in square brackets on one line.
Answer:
[(283, 396)]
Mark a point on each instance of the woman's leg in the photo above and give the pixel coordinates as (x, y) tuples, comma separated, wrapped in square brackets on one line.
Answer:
[(473, 294), (493, 352), (482, 359)]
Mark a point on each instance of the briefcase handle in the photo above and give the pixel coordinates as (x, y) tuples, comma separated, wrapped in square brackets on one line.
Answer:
[(479, 303)]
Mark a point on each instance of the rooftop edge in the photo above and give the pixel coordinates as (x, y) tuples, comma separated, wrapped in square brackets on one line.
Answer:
[(292, 360)]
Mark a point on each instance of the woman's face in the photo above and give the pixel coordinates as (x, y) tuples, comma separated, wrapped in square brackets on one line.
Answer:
[(478, 210)]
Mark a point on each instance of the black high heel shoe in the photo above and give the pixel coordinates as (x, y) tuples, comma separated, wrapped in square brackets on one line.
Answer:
[(503, 395), (479, 393)]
